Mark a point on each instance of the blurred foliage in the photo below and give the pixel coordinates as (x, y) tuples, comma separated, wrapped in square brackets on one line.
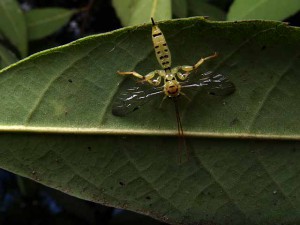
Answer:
[(36, 20)]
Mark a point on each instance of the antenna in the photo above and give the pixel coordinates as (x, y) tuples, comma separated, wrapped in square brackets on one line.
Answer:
[(152, 20)]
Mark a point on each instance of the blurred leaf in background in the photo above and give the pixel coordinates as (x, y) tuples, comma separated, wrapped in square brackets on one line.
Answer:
[(7, 57), (46, 21), (18, 27), (13, 25), (203, 8), (262, 9), (179, 8), (133, 12)]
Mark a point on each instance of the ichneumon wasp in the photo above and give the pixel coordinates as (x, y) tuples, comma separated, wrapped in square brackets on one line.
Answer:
[(170, 82)]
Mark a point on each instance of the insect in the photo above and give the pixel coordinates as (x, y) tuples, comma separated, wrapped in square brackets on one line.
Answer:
[(170, 82)]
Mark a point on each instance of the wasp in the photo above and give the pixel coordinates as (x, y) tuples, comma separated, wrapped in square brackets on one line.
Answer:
[(169, 82)]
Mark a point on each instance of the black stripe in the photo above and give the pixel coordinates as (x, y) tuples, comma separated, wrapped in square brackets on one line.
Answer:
[(166, 50), (158, 52), (166, 56), (164, 63), (155, 35), (164, 44), (168, 68), (161, 57), (156, 46)]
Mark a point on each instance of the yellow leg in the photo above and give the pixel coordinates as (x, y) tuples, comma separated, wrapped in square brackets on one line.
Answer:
[(131, 73), (201, 61), (147, 77), (189, 69)]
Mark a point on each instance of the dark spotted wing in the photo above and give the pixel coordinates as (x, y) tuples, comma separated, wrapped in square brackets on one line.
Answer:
[(215, 84), (133, 98)]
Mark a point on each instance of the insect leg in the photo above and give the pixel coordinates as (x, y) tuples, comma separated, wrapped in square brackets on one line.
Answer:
[(149, 77), (202, 60), (189, 69), (160, 105), (131, 73)]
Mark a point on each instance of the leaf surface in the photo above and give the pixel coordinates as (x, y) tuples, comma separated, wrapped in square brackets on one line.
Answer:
[(132, 12), (46, 21), (6, 57), (262, 9), (57, 127), (12, 25)]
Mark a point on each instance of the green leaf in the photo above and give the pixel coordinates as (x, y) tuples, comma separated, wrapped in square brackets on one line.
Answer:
[(6, 57), (202, 8), (57, 127), (221, 4), (179, 8), (46, 21), (12, 25), (132, 12), (262, 9)]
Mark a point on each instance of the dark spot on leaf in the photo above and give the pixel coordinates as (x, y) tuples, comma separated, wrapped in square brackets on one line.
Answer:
[(234, 122), (136, 108), (70, 80), (263, 47), (212, 93), (89, 148), (148, 197), (121, 183)]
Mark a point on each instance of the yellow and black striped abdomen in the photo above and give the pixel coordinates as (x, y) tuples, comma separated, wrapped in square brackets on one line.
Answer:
[(162, 52)]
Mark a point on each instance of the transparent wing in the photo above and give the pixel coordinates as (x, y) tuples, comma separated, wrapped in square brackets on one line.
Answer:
[(133, 98), (215, 84)]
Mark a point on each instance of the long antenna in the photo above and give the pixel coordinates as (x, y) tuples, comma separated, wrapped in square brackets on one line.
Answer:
[(181, 140)]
